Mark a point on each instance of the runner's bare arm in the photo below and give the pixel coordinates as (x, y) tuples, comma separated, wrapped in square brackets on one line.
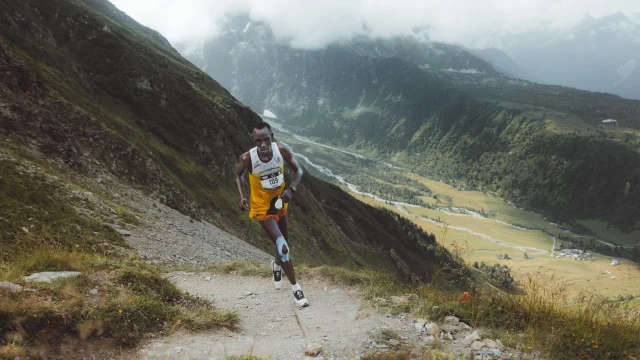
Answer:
[(293, 163), (244, 163)]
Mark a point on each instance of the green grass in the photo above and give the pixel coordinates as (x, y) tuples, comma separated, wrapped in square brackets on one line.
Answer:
[(133, 300), (242, 268), (550, 320), (542, 317)]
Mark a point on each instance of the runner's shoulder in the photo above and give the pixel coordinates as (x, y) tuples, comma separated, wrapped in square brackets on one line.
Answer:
[(246, 158), (283, 147)]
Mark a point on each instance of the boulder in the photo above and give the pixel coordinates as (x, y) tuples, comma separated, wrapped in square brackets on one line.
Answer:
[(428, 340), (486, 343), (49, 276), (313, 350), (451, 320), (471, 338), (14, 288), (420, 321), (124, 232), (432, 329), (459, 327)]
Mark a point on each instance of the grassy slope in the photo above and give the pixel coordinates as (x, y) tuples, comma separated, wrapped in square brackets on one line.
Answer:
[(87, 93), (542, 320), (102, 93)]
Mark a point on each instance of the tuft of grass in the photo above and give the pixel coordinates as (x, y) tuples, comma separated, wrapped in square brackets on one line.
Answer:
[(11, 351), (133, 300), (406, 354), (383, 336), (240, 267), (145, 280), (129, 218), (200, 318)]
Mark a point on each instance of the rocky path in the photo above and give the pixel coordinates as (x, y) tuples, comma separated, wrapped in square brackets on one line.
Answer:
[(338, 324), (337, 320)]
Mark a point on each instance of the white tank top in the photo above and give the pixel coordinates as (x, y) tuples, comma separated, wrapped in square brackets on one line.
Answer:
[(271, 174)]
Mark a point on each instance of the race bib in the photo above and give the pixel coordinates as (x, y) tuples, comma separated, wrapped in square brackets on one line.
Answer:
[(272, 181)]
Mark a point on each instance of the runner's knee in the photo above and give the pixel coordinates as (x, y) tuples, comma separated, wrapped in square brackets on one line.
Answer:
[(283, 248)]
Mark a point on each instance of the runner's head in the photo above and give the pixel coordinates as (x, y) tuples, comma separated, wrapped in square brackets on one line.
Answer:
[(262, 136)]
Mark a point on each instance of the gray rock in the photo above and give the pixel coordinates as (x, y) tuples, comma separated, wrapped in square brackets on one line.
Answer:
[(474, 336), (494, 352), (419, 327), (429, 340), (432, 329), (208, 278), (394, 342), (451, 320), (491, 344), (313, 350), (447, 336), (486, 343), (124, 232), (14, 288), (50, 276), (93, 291), (453, 329)]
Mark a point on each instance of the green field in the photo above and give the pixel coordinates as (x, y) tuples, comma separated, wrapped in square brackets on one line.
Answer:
[(612, 234), (491, 226)]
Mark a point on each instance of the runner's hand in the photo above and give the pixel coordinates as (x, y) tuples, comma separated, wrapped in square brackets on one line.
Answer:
[(244, 204), (286, 195)]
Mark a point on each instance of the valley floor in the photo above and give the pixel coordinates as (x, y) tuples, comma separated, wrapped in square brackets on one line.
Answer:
[(474, 225)]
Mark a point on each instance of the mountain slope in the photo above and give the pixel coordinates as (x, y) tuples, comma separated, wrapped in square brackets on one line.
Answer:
[(84, 84), (541, 146), (502, 63)]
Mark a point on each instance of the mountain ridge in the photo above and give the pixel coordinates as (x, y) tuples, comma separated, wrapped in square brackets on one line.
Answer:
[(587, 56)]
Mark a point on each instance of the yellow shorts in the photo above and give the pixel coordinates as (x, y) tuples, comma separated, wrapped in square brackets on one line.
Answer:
[(263, 217)]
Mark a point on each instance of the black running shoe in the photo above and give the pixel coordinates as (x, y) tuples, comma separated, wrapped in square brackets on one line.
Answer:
[(301, 301), (277, 275)]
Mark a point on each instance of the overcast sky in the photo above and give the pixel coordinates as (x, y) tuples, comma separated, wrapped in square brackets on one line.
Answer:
[(314, 23)]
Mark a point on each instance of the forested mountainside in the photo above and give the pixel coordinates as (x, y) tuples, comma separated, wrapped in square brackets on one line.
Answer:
[(543, 147)]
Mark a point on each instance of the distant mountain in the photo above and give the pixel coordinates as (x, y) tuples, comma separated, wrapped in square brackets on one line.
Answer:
[(443, 112), (502, 63), (242, 36), (598, 54)]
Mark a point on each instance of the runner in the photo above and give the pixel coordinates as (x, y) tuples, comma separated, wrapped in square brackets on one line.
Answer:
[(269, 199)]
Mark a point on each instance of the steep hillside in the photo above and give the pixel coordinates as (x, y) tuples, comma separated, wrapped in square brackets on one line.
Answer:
[(544, 147), (85, 85)]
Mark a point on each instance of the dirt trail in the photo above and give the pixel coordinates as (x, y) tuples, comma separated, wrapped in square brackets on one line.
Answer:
[(336, 319)]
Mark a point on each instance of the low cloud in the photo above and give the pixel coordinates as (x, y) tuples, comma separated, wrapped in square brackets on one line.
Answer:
[(315, 23)]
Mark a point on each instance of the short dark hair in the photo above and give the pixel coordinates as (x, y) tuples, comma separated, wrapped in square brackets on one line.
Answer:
[(261, 125)]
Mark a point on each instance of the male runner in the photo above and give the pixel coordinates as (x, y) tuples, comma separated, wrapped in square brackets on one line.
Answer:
[(269, 199)]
